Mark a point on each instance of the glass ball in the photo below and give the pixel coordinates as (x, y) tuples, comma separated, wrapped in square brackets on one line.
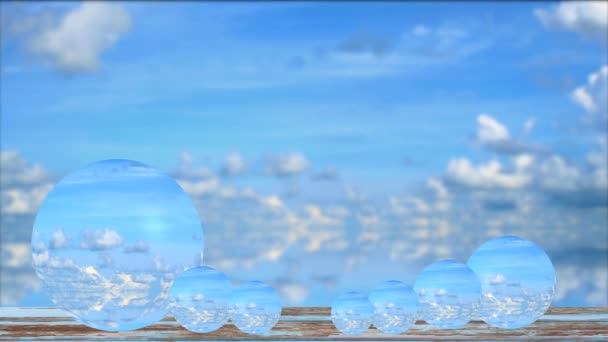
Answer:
[(395, 307), (517, 281), (352, 313), (199, 299), (255, 307), (109, 240), (449, 294)]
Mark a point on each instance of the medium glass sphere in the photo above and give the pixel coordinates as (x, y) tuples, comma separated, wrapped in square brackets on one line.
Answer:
[(395, 306), (109, 240), (255, 307), (352, 313), (199, 299), (517, 281), (449, 294)]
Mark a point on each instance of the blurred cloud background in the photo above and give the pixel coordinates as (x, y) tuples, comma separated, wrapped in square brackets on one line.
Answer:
[(326, 146)]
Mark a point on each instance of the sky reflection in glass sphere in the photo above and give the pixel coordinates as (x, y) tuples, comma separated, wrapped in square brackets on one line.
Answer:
[(517, 281), (395, 306), (109, 240), (352, 313), (255, 307), (449, 294), (199, 299)]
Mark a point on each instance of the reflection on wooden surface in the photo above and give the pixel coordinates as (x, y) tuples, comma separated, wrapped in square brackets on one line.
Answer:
[(302, 324)]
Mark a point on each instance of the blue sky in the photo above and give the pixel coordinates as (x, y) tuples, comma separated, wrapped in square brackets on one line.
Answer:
[(326, 147)]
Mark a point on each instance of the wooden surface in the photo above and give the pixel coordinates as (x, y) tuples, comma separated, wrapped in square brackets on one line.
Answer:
[(302, 324)]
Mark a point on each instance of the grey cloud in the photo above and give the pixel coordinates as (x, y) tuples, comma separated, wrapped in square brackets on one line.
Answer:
[(327, 174), (140, 246), (287, 165), (100, 239)]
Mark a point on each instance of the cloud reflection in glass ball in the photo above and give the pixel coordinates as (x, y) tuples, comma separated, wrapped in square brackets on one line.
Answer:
[(449, 294), (255, 307), (517, 281), (352, 313), (199, 299), (109, 240), (395, 306)]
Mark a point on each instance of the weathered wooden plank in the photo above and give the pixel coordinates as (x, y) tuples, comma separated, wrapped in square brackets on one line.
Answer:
[(302, 324)]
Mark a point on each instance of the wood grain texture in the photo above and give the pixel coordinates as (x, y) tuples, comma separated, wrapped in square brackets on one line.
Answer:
[(302, 324)]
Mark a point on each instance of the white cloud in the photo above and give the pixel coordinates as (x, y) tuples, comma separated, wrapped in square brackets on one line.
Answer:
[(16, 171), (494, 136), (497, 279), (24, 186), (490, 130), (592, 98), (16, 255), (74, 45), (286, 165), (24, 201), (233, 164), (100, 239), (588, 18), (440, 190), (196, 181), (556, 174), (292, 293), (488, 176), (58, 239)]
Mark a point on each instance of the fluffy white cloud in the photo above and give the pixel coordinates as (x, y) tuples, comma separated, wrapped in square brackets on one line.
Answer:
[(16, 171), (490, 130), (592, 98), (286, 165), (234, 164), (488, 176), (494, 136), (100, 239), (588, 18), (24, 186), (196, 181), (75, 43)]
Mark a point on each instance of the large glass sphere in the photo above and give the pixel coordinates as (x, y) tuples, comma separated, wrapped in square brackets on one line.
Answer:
[(255, 307), (517, 281), (395, 306), (199, 299), (109, 240), (352, 313), (449, 294)]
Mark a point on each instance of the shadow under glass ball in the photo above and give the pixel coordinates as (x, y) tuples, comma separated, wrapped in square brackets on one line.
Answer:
[(199, 299), (352, 313), (255, 307), (395, 306)]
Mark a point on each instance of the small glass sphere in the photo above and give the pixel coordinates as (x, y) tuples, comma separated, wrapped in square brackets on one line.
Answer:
[(109, 240), (352, 313), (199, 299), (395, 306), (449, 294), (255, 307), (517, 281)]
